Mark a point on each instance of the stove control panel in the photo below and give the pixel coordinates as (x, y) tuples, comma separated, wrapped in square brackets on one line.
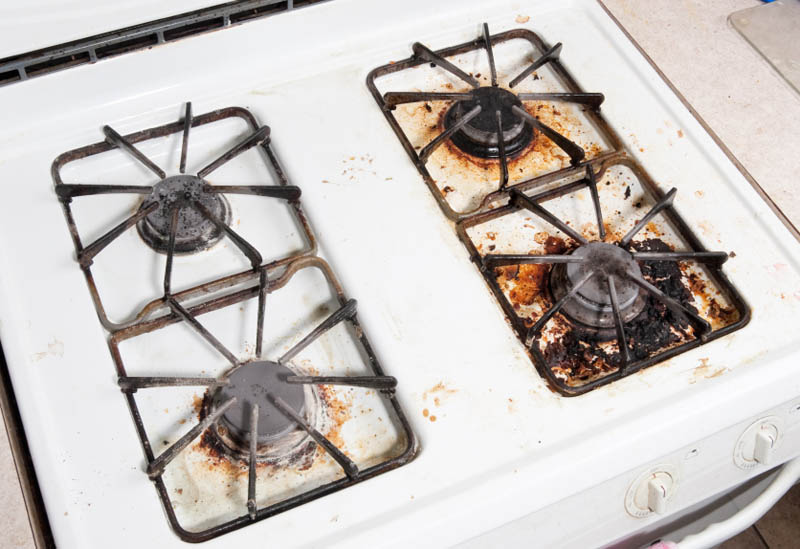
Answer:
[(651, 491), (757, 444)]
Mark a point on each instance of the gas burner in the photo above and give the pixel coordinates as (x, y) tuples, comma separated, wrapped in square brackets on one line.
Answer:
[(487, 122), (201, 211), (262, 387), (592, 302), (181, 213), (479, 135), (612, 307), (264, 411)]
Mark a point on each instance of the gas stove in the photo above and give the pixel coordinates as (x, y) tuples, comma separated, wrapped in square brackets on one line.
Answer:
[(557, 304)]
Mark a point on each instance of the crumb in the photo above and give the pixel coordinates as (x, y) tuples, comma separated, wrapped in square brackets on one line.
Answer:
[(522, 19), (627, 192)]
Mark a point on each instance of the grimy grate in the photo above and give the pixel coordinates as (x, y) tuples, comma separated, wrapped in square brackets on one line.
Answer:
[(273, 279), (190, 195), (260, 137), (615, 267)]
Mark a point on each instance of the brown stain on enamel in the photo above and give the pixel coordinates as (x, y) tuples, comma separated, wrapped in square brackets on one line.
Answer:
[(450, 167), (219, 459)]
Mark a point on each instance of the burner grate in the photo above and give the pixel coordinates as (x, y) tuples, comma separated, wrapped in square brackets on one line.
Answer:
[(180, 213), (488, 121), (598, 285), (347, 312)]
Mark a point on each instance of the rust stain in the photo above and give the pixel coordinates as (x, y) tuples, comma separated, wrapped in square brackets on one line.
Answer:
[(441, 390), (465, 180), (218, 457), (425, 412), (54, 349), (529, 282), (433, 418), (705, 371)]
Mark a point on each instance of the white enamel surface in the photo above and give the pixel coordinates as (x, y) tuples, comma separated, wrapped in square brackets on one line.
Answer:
[(35, 24), (503, 444)]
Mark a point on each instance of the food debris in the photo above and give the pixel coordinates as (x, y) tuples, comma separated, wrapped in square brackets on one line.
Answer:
[(522, 19)]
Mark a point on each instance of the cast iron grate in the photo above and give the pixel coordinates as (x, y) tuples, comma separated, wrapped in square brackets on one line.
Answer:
[(611, 274), (196, 206), (491, 106), (378, 381)]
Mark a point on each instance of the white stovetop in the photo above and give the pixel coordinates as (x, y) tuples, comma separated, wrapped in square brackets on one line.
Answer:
[(539, 443)]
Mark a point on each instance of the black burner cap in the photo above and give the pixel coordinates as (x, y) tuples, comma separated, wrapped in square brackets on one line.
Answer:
[(479, 136), (258, 383), (195, 231), (591, 305)]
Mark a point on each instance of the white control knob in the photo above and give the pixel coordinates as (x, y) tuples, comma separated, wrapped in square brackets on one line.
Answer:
[(765, 443), (657, 495), (651, 491), (757, 445)]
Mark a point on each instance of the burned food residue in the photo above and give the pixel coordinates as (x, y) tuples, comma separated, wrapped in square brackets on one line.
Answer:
[(302, 458), (577, 355)]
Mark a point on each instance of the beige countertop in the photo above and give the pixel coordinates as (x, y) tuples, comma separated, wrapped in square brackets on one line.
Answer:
[(752, 110)]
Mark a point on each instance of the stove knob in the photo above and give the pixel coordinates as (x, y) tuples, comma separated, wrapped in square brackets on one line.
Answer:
[(765, 443), (758, 443), (657, 493), (651, 491)]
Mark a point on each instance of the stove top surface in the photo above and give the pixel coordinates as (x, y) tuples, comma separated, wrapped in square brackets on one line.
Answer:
[(489, 426)]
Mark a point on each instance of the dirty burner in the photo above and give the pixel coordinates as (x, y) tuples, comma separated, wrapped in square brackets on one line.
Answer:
[(478, 136), (592, 301), (201, 213), (489, 121), (259, 383)]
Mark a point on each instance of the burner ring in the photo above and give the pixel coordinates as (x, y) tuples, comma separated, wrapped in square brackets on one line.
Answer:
[(195, 232), (479, 136), (591, 305)]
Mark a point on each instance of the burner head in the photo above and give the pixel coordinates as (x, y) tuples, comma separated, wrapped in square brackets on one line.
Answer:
[(591, 305), (195, 231), (258, 383), (479, 136)]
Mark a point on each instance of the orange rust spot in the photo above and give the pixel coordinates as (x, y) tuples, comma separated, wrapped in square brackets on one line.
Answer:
[(425, 412), (540, 237), (653, 228), (530, 281), (680, 133), (439, 388), (554, 245), (433, 418)]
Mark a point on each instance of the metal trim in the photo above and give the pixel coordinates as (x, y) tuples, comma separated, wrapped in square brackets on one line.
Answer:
[(31, 494), (37, 63)]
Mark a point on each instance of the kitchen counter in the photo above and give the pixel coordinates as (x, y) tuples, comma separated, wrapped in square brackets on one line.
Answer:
[(750, 108)]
